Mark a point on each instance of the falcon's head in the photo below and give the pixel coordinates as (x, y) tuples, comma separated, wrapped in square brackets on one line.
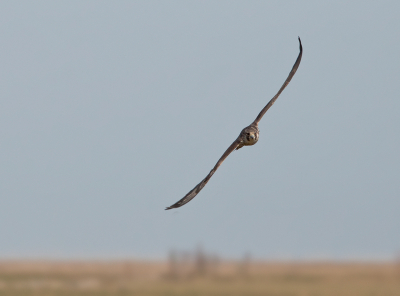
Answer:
[(250, 138)]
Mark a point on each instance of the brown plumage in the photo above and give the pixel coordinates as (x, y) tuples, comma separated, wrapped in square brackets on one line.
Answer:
[(247, 137)]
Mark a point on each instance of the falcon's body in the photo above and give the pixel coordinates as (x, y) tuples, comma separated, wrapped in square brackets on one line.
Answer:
[(247, 137)]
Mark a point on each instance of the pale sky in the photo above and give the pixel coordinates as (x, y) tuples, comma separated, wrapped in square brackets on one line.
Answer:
[(111, 111)]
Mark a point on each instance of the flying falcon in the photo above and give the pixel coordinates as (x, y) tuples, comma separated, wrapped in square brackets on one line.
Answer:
[(247, 137)]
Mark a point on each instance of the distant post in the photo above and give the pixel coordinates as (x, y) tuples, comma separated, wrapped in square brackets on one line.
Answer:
[(244, 265)]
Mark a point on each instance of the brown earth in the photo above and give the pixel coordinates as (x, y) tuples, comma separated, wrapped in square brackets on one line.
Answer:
[(148, 278)]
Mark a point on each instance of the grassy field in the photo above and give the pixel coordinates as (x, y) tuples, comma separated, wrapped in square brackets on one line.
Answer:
[(227, 278)]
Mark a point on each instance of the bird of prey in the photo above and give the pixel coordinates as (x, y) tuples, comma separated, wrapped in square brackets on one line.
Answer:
[(247, 137)]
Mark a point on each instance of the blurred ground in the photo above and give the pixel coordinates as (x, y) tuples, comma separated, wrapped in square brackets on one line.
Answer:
[(150, 278)]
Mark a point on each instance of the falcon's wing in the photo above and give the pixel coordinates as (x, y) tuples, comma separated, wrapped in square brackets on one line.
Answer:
[(291, 74), (192, 193)]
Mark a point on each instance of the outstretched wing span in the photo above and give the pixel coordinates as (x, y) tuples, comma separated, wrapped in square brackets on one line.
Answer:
[(291, 74), (192, 193), (237, 143)]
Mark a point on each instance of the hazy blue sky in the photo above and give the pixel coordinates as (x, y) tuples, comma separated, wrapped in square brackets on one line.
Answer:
[(112, 110)]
